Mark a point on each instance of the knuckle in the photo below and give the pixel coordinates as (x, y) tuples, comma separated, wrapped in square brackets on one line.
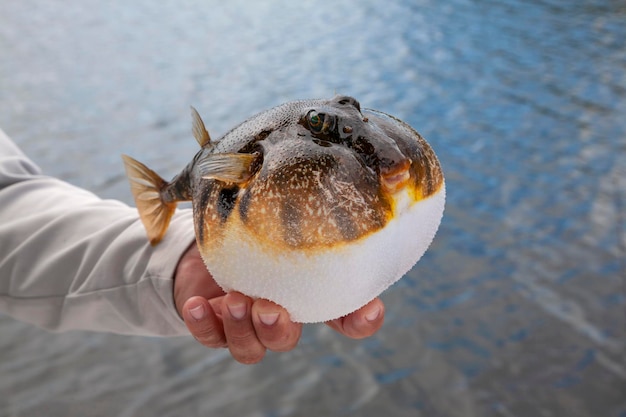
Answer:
[(249, 359), (356, 330), (241, 339), (210, 335), (244, 346), (210, 340), (282, 340)]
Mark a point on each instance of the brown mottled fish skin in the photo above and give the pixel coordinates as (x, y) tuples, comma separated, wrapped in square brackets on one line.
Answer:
[(325, 173), (314, 190)]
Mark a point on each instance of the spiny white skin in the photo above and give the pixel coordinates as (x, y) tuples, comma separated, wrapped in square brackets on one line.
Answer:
[(333, 283)]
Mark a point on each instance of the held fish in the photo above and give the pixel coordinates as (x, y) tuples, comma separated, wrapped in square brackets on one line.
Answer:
[(317, 205)]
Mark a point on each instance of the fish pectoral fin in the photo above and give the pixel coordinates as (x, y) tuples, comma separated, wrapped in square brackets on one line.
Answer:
[(146, 186), (198, 129), (228, 167)]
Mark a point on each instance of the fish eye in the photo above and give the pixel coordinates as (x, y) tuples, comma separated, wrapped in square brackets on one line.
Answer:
[(315, 121)]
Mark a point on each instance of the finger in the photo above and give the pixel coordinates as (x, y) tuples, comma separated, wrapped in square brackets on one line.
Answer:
[(202, 322), (273, 326), (362, 323), (243, 342)]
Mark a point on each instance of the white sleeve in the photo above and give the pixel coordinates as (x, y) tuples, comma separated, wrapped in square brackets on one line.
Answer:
[(70, 260)]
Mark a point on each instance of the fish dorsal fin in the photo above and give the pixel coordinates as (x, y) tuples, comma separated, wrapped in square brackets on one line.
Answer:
[(198, 129), (227, 167)]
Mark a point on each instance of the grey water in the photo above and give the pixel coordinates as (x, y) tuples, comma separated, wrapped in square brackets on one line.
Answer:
[(519, 306)]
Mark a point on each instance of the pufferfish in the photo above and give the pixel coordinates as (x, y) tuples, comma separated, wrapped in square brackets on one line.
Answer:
[(316, 205)]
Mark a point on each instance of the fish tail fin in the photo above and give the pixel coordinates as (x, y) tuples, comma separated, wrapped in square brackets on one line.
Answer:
[(146, 185)]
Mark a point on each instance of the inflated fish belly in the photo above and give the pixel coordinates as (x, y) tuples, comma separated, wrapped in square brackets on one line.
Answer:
[(316, 205), (324, 285)]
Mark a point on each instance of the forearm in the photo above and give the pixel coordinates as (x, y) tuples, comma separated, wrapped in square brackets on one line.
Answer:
[(69, 260)]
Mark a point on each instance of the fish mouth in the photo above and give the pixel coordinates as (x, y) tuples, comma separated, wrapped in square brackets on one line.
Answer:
[(397, 179)]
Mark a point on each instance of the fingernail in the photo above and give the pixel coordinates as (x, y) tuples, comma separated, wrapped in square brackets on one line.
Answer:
[(269, 319), (198, 312), (373, 315), (237, 310)]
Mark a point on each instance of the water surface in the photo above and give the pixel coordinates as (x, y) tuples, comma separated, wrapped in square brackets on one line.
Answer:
[(518, 309)]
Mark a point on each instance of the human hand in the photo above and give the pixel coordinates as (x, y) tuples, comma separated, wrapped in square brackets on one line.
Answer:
[(249, 327)]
